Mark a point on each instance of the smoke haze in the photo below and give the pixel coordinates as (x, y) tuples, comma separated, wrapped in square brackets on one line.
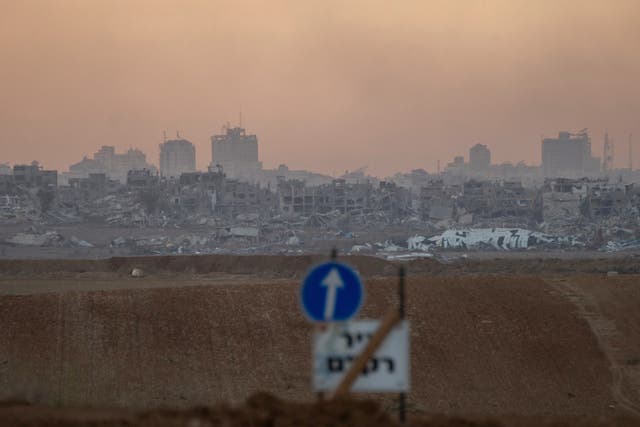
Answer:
[(326, 86)]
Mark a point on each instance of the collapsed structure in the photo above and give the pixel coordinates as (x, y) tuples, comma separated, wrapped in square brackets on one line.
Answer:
[(237, 200)]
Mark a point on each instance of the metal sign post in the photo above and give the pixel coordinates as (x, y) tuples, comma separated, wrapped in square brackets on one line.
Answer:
[(333, 258), (402, 404), (358, 355)]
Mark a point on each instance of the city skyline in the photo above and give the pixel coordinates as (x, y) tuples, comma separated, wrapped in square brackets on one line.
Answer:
[(327, 86), (229, 129)]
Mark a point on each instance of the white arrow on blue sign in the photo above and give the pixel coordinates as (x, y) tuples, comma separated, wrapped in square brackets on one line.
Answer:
[(331, 292)]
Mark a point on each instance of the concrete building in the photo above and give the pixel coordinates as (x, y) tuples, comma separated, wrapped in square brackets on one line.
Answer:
[(84, 168), (237, 154), (457, 167), (34, 176), (436, 201), (114, 165), (606, 199), (569, 156), (141, 178), (479, 159), (96, 183), (177, 156), (117, 166), (5, 169), (478, 197), (6, 185), (563, 198)]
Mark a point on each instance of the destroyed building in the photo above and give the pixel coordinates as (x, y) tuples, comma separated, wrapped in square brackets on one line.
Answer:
[(569, 156), (478, 197), (607, 200), (414, 180), (84, 168), (34, 176), (458, 167), (239, 197), (392, 200), (353, 199), (477, 200), (114, 165), (7, 185), (436, 201), (94, 183), (141, 178), (562, 199), (295, 197), (271, 177), (201, 191), (514, 200), (211, 192), (298, 207), (236, 153), (118, 165), (177, 156), (479, 159)]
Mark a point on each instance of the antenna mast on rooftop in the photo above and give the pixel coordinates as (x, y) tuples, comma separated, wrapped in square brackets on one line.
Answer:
[(630, 153)]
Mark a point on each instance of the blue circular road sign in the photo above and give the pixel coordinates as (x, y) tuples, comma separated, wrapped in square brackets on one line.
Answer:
[(331, 292)]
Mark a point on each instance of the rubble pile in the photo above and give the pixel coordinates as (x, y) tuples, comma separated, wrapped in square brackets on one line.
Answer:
[(491, 238), (50, 238), (219, 215), (32, 237), (622, 245)]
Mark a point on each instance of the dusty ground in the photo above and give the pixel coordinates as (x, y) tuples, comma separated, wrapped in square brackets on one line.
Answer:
[(263, 410), (535, 338)]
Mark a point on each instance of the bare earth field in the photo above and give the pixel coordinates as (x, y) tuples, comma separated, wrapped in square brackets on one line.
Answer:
[(520, 341)]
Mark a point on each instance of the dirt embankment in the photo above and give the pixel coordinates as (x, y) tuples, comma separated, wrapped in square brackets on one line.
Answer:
[(263, 410), (480, 345), (288, 267)]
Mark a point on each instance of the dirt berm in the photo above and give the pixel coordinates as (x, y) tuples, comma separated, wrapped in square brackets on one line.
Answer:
[(479, 344), (276, 266), (263, 410)]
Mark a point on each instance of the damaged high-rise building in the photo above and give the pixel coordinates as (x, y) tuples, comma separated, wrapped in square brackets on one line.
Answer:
[(479, 159), (569, 155), (177, 156), (236, 153), (107, 161)]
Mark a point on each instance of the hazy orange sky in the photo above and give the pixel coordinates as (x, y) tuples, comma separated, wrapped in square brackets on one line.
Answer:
[(326, 85)]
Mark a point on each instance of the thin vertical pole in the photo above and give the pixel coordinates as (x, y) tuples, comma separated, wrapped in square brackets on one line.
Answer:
[(333, 257), (402, 398)]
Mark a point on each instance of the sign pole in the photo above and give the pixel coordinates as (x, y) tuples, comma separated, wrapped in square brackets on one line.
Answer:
[(402, 398), (333, 257)]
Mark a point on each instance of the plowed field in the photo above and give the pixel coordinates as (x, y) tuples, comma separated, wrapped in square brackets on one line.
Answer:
[(484, 342)]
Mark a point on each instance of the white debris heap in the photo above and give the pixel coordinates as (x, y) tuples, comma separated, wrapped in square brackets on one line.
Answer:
[(488, 238)]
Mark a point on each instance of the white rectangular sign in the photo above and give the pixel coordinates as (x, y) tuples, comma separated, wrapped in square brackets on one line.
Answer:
[(337, 347)]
